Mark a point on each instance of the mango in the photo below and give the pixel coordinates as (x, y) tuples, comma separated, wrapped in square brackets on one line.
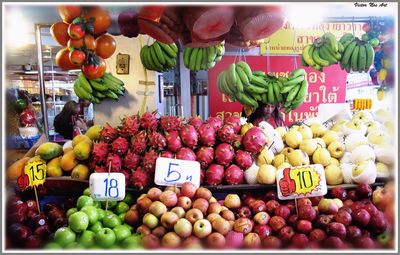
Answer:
[(49, 150), (82, 150), (68, 161), (54, 167), (80, 172), (94, 132), (80, 138), (16, 169)]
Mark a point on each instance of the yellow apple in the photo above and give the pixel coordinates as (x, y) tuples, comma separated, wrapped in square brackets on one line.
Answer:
[(330, 137), (279, 160), (309, 146), (333, 175), (266, 156), (293, 138), (336, 149), (306, 132), (321, 156), (318, 129), (266, 174)]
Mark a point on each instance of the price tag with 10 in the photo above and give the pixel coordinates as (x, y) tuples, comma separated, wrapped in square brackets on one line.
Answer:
[(175, 172)]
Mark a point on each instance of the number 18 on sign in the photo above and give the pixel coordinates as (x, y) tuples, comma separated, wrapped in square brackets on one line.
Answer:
[(107, 186), (302, 181), (175, 172)]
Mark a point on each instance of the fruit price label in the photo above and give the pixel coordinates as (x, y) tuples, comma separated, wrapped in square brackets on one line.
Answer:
[(34, 174), (175, 172), (107, 186), (301, 181)]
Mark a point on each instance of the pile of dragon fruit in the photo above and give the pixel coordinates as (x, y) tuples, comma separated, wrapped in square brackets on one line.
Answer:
[(134, 146)]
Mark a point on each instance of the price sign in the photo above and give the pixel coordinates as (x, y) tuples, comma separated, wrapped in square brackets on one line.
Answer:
[(171, 172), (302, 181), (34, 174), (107, 186)]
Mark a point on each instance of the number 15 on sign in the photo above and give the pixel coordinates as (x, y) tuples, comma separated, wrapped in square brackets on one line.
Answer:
[(171, 172)]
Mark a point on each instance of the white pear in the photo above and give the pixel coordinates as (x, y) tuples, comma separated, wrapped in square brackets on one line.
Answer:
[(266, 156), (330, 137), (347, 168), (279, 160), (333, 175), (353, 140), (364, 116), (318, 129), (378, 137), (309, 146), (364, 173), (267, 130), (336, 149), (275, 142), (373, 126), (306, 132), (354, 126), (389, 127), (362, 153), (266, 174), (335, 161), (306, 159), (282, 131), (346, 158), (296, 157), (382, 170), (251, 174), (284, 165), (321, 156), (320, 142), (385, 155), (338, 126), (293, 138), (382, 115)]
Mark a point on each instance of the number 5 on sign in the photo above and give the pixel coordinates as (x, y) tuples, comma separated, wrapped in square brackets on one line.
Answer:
[(107, 186), (302, 181), (171, 172)]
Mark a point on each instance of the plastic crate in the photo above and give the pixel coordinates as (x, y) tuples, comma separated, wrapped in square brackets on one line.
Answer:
[(19, 143)]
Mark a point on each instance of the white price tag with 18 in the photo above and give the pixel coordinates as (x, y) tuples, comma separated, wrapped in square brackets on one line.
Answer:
[(175, 172), (107, 186)]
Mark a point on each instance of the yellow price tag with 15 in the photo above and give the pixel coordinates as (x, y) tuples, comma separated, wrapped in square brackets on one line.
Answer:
[(36, 172)]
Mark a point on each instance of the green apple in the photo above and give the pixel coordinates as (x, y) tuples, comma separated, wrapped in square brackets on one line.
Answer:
[(95, 247), (115, 247), (91, 212), (87, 239), (78, 221), (128, 199), (83, 201), (64, 236), (121, 208), (128, 226), (111, 221), (86, 192), (105, 237), (122, 217), (132, 242), (121, 232), (97, 204), (74, 246), (96, 227), (53, 246), (101, 213), (108, 212), (71, 211), (111, 204)]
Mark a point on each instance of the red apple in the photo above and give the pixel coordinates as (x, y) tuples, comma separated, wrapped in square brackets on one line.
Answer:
[(143, 205), (228, 215), (243, 225), (271, 242), (179, 211), (333, 242), (171, 240), (38, 220), (317, 235), (216, 241), (276, 223), (315, 200), (323, 220), (258, 206), (202, 228), (185, 202), (42, 231), (261, 218), (188, 189), (292, 220), (249, 200), (232, 201), (203, 193), (183, 228), (272, 194), (243, 211), (348, 203), (263, 230), (19, 232), (154, 194), (213, 216), (361, 217), (132, 217), (357, 205), (169, 198), (353, 232), (363, 191), (31, 213), (33, 242), (371, 209), (307, 212), (343, 217), (252, 241), (144, 230), (157, 209), (192, 242), (221, 225), (194, 215), (339, 192), (299, 241), (336, 229), (159, 231), (304, 226), (32, 205), (151, 241), (16, 217), (364, 243), (169, 219), (352, 195), (201, 204), (303, 201), (282, 211), (174, 189), (286, 233), (271, 205), (378, 223)]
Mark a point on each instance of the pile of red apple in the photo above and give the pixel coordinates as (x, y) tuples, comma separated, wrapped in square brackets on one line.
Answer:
[(26, 227), (193, 218)]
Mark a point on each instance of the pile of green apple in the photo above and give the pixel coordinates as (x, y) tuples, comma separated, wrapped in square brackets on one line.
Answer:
[(358, 149), (90, 226)]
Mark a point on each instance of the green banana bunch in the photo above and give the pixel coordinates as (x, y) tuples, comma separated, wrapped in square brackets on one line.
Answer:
[(197, 59), (358, 55), (325, 51), (294, 90), (95, 91), (159, 56)]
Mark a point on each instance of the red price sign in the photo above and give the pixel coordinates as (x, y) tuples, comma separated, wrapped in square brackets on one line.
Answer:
[(302, 181), (34, 174)]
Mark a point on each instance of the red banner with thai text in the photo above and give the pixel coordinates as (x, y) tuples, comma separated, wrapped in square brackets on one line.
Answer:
[(324, 87)]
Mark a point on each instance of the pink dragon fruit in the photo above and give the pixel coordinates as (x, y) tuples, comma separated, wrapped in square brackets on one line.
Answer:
[(120, 146), (243, 159), (167, 154), (171, 123), (226, 133), (234, 240), (130, 126), (214, 174), (99, 152), (157, 141), (216, 122), (173, 141), (207, 135), (205, 155), (91, 164), (196, 122), (127, 175), (202, 175), (189, 136), (115, 161), (149, 121), (224, 154), (254, 140), (139, 142), (149, 161), (131, 160), (186, 154), (234, 121), (99, 169), (237, 141), (234, 175), (108, 133), (140, 178)]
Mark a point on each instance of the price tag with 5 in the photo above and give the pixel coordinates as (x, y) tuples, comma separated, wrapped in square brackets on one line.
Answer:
[(175, 172), (107, 186), (34, 174), (302, 181)]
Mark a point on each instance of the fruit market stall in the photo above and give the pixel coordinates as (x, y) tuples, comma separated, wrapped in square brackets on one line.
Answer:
[(296, 151)]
